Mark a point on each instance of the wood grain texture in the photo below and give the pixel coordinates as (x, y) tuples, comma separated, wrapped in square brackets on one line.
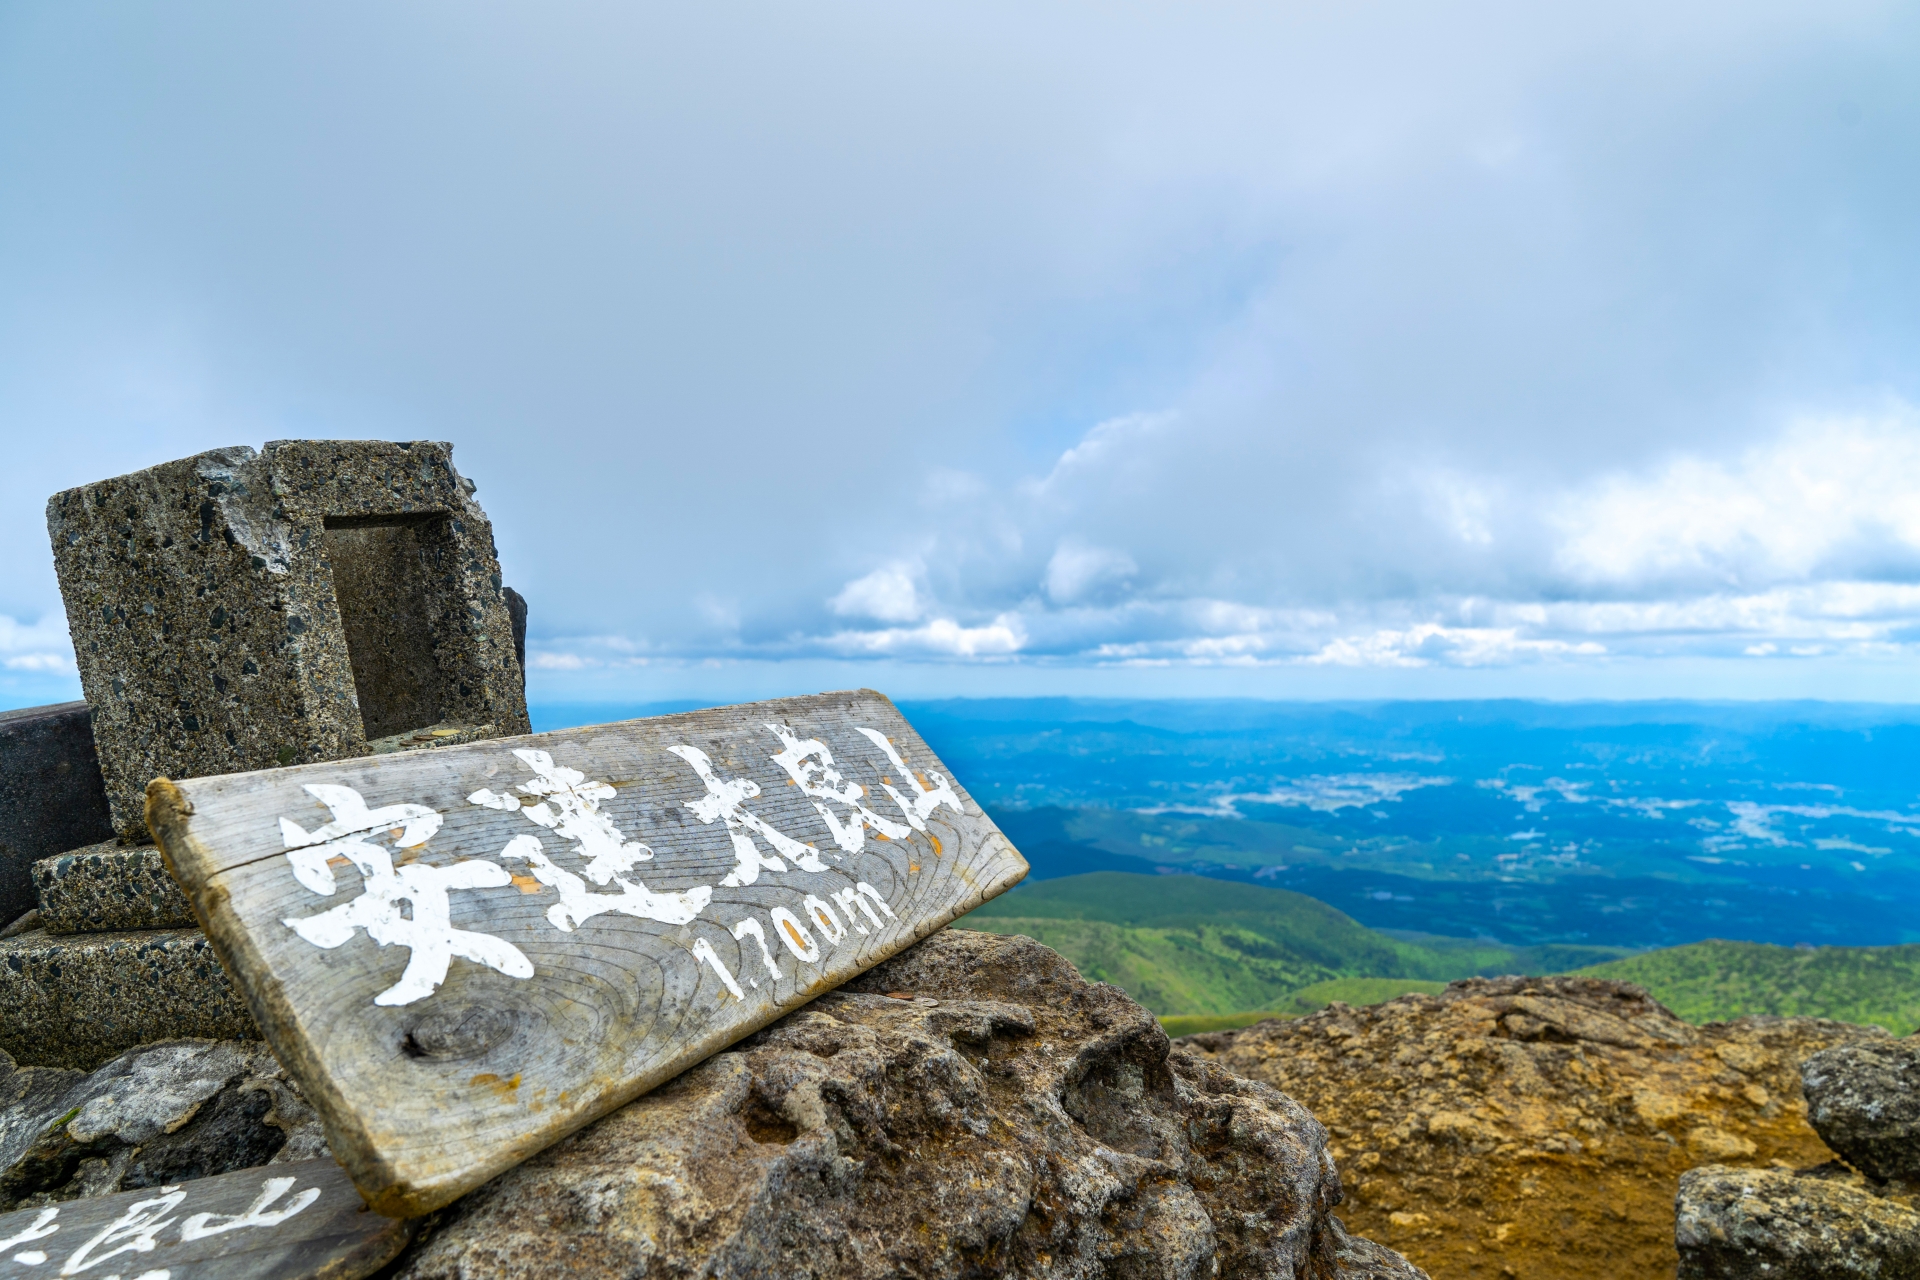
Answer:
[(430, 1097), (307, 1222)]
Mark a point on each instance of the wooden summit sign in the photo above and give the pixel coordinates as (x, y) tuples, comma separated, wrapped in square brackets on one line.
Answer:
[(466, 953)]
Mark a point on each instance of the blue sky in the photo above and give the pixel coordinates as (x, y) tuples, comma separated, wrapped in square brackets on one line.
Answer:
[(1386, 349)]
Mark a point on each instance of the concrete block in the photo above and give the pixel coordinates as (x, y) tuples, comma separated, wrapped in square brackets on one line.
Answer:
[(51, 796), (80, 999), (314, 600), (109, 887)]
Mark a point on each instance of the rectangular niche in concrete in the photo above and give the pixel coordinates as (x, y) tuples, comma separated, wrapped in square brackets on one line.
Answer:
[(315, 600), (382, 585)]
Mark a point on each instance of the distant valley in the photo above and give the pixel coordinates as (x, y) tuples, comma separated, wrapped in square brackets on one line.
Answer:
[(1223, 859)]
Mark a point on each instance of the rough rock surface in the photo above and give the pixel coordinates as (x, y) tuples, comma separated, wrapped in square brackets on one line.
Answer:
[(970, 1107), (79, 999), (1535, 1127), (1826, 1223), (1864, 1100), (161, 1113)]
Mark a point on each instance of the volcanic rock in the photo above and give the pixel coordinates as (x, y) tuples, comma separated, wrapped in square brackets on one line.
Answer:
[(1535, 1127), (162, 1113), (1820, 1224), (1864, 1099), (970, 1107)]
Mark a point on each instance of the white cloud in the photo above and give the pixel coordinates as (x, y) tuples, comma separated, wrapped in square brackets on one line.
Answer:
[(888, 594), (942, 636), (40, 647), (1077, 571), (1826, 495)]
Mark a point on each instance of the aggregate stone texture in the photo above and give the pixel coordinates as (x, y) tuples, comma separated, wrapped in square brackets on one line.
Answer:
[(51, 795), (109, 887), (517, 613), (160, 1114), (1864, 1100), (971, 1107), (1535, 1127), (78, 1000), (241, 610), (1825, 1223)]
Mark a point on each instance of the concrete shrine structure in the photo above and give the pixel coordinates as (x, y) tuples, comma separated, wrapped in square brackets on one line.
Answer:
[(315, 600)]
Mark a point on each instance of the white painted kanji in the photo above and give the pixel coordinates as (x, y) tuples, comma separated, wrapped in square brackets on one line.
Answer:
[(809, 763), (309, 851), (425, 929), (926, 796), (579, 904), (726, 800), (567, 804), (199, 1226), (132, 1232)]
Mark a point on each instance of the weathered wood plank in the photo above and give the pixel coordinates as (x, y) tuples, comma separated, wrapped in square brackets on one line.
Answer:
[(297, 1221), (560, 942)]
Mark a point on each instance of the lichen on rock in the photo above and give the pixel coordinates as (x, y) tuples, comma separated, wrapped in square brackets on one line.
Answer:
[(161, 1113), (1825, 1223), (1864, 1101)]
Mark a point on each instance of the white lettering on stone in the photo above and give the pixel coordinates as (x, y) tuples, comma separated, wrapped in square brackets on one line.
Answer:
[(42, 1226), (926, 796), (752, 926), (794, 933), (201, 1225), (143, 1220), (810, 764), (726, 801), (309, 851), (703, 951), (425, 929)]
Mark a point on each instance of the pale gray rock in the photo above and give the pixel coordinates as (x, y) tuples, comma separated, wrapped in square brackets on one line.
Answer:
[(161, 1113), (1782, 1224), (1864, 1102), (970, 1107)]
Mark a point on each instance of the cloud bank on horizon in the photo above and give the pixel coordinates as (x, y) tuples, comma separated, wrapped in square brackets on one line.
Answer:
[(1063, 336)]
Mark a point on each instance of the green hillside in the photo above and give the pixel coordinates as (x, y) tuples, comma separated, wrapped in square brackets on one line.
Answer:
[(1194, 946), (1709, 981), (1210, 954)]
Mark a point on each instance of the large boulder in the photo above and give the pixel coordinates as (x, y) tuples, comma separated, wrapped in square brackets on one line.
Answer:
[(970, 1107), (1864, 1099), (1535, 1127), (1818, 1224)]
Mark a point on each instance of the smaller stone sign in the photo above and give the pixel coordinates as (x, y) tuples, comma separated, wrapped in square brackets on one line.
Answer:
[(465, 954), (279, 1222)]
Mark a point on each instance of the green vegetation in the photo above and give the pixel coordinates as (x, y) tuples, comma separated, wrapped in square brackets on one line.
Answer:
[(1710, 981), (1189, 945), (1209, 955)]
